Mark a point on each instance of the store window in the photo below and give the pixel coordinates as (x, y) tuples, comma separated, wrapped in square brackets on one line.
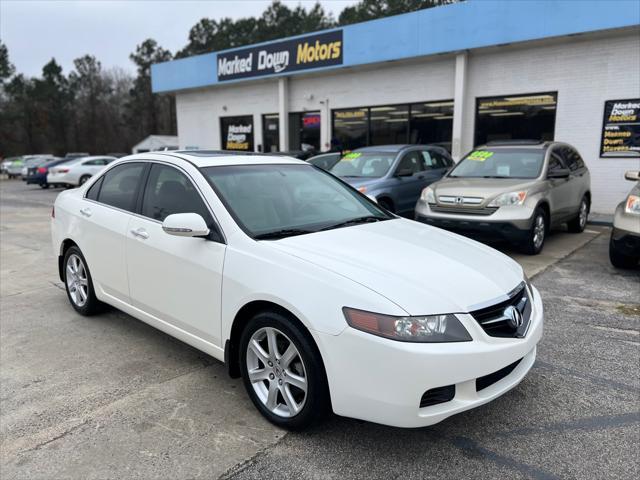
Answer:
[(516, 117), (350, 128), (270, 133), (432, 123), (237, 133), (388, 124), (420, 123), (304, 131)]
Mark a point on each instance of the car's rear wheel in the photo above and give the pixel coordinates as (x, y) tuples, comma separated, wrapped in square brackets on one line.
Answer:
[(83, 179), (578, 224), (78, 283), (44, 185), (620, 260), (537, 234), (282, 371)]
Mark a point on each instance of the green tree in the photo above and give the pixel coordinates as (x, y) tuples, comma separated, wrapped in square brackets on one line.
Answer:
[(371, 9), (53, 96), (6, 68), (151, 114)]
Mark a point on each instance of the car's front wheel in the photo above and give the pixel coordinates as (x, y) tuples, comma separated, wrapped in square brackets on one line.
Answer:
[(78, 283), (282, 371), (537, 234)]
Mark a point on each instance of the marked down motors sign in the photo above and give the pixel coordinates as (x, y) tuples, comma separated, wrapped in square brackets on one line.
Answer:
[(311, 51)]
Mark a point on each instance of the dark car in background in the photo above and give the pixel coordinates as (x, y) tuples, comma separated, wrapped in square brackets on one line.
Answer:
[(38, 175), (394, 175)]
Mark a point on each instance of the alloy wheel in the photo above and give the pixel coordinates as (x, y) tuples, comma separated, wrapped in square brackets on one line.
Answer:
[(77, 281), (584, 211), (538, 231), (276, 372)]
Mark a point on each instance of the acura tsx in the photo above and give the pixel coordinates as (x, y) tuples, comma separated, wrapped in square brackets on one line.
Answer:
[(317, 297)]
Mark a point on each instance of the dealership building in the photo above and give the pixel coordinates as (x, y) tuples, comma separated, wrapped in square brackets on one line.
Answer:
[(458, 75)]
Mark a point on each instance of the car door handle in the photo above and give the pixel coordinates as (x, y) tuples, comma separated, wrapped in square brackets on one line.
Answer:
[(140, 233), (86, 211)]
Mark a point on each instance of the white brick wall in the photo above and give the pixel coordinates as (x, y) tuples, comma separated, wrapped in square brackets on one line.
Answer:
[(584, 70)]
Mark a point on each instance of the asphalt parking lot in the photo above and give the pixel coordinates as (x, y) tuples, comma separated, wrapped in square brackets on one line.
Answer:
[(110, 397)]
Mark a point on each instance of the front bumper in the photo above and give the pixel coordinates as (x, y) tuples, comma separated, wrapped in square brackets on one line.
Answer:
[(506, 223), (625, 242), (382, 381)]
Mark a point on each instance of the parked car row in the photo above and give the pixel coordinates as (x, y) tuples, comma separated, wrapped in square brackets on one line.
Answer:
[(515, 191), (46, 170)]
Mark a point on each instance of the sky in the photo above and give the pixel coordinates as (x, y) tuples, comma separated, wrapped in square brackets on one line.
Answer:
[(37, 30)]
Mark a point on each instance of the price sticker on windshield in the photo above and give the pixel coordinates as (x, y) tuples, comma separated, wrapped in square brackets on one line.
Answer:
[(480, 155), (351, 156)]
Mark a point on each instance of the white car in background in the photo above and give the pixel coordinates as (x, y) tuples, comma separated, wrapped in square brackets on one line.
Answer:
[(76, 172), (307, 289)]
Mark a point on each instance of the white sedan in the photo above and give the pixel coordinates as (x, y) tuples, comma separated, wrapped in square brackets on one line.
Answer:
[(76, 172), (308, 290)]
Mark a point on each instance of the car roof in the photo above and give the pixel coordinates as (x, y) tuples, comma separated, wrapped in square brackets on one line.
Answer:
[(532, 144), (213, 158), (386, 148)]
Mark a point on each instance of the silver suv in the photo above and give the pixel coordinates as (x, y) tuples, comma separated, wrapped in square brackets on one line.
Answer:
[(514, 190), (624, 246)]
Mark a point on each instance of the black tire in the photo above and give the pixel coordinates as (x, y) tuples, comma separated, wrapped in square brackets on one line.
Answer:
[(533, 245), (91, 305), (83, 179), (386, 204), (317, 402), (578, 224), (620, 260), (44, 185)]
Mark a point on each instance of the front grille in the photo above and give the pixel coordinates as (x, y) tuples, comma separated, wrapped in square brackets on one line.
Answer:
[(488, 380), (484, 211), (494, 321), (438, 395)]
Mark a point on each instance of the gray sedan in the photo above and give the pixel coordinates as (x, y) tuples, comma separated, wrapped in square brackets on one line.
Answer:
[(394, 174)]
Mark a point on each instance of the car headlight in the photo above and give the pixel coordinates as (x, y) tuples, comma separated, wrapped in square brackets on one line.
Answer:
[(632, 205), (430, 328), (428, 195), (508, 199)]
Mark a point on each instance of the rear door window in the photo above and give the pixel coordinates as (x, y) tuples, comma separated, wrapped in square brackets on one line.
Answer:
[(120, 186)]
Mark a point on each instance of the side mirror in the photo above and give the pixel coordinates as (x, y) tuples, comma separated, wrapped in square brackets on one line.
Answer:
[(633, 175), (559, 173), (185, 225), (404, 172)]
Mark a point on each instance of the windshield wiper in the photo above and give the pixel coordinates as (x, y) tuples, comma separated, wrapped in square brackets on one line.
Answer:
[(285, 232), (495, 176), (355, 221)]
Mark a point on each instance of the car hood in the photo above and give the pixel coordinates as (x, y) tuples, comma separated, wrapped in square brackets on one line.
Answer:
[(480, 187), (422, 269)]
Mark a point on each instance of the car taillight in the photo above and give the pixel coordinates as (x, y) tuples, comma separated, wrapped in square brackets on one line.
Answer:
[(62, 170), (53, 212), (42, 170)]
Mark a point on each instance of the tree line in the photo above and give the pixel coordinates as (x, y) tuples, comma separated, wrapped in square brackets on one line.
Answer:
[(98, 110)]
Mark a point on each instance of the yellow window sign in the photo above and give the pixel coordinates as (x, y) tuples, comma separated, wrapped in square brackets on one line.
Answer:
[(351, 156), (480, 155)]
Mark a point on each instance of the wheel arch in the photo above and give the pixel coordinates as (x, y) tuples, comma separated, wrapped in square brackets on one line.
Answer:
[(544, 204), (244, 314), (65, 245)]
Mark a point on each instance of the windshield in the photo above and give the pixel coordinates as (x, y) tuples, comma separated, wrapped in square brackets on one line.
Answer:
[(364, 164), (276, 201), (500, 163)]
